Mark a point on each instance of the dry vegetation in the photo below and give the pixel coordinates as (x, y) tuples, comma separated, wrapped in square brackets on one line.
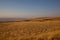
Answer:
[(36, 29)]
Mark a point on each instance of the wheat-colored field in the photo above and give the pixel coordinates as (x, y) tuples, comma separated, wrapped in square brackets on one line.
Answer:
[(45, 29)]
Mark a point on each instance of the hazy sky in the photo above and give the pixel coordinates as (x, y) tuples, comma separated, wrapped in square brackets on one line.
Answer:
[(29, 8)]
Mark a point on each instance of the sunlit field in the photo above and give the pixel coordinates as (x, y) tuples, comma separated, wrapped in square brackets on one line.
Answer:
[(34, 29)]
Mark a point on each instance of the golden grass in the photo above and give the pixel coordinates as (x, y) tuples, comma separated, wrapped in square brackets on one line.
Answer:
[(30, 30)]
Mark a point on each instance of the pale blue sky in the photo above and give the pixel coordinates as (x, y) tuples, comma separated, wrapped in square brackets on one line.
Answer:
[(29, 8)]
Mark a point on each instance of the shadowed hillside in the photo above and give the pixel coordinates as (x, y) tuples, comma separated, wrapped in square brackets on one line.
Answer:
[(32, 29)]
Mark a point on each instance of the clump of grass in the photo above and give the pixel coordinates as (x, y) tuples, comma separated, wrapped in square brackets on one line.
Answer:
[(56, 37)]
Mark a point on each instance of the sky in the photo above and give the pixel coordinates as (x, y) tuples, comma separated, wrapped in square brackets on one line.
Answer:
[(29, 8)]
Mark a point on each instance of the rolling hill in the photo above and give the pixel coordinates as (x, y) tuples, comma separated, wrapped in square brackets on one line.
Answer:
[(32, 29)]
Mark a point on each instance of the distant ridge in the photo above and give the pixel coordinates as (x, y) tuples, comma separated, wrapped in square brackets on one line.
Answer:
[(42, 19), (31, 19), (12, 19)]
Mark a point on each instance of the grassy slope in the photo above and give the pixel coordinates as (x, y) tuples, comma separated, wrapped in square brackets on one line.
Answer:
[(30, 30)]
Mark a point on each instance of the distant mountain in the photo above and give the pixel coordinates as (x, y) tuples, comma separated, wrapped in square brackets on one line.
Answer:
[(30, 19), (12, 19)]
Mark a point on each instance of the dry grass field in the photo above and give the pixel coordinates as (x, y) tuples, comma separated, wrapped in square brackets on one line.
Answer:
[(35, 29)]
